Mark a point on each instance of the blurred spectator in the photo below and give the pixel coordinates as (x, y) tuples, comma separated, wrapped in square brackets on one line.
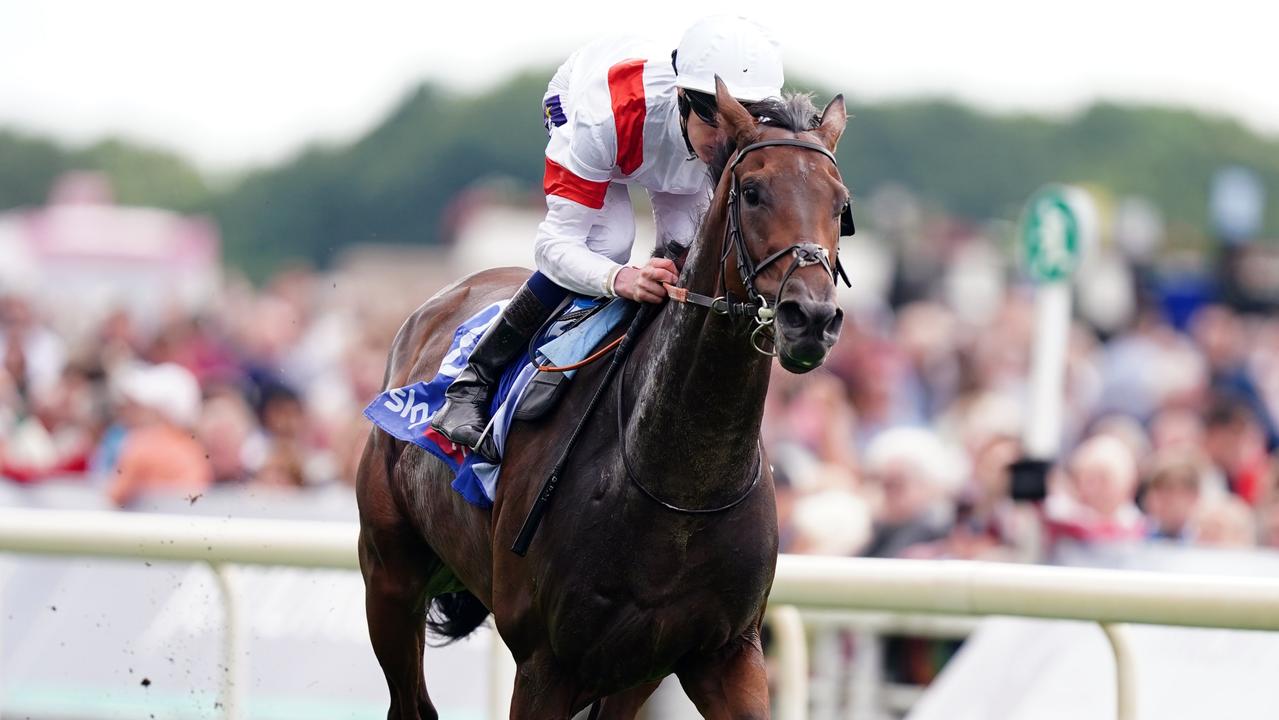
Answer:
[(989, 525), (349, 448), (225, 427), (282, 467), (1220, 333), (1149, 368), (32, 355), (275, 453), (159, 451), (1176, 428), (1235, 442), (118, 340), (1095, 499), (1125, 429), (928, 336), (813, 427), (830, 522), (1225, 521), (873, 370), (55, 436), (915, 478), (1171, 494), (191, 343), (1268, 516)]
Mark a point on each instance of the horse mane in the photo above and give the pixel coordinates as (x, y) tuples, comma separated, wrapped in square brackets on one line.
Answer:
[(793, 111)]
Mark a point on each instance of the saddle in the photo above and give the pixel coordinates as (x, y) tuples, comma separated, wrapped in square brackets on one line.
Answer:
[(546, 388), (523, 393)]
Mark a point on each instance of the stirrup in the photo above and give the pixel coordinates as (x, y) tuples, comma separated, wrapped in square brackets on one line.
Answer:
[(486, 446)]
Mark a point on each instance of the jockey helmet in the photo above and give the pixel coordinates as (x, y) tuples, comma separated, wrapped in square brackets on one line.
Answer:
[(736, 49)]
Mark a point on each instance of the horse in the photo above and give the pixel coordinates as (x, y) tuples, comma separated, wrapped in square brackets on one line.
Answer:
[(659, 553)]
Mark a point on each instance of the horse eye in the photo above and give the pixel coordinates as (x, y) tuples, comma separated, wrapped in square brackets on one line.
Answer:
[(751, 196)]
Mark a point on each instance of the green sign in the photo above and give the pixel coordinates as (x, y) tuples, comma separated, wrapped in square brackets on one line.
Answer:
[(1050, 235)]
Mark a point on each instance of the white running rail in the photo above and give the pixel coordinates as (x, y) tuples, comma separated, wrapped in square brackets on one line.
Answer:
[(953, 588)]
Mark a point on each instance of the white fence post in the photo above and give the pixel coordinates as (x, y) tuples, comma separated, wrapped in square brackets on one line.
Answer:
[(868, 675), (827, 671), (1125, 671), (235, 660), (791, 648)]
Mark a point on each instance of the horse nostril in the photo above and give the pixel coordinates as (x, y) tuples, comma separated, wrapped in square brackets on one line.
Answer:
[(835, 323), (792, 315), (818, 319)]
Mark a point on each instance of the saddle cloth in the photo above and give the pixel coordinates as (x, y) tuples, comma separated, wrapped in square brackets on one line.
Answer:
[(405, 413)]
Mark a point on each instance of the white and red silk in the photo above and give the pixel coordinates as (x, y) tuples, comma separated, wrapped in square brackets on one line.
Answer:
[(622, 128)]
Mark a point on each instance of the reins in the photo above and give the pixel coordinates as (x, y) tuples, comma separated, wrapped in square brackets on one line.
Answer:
[(640, 318), (635, 479), (582, 363), (755, 308)]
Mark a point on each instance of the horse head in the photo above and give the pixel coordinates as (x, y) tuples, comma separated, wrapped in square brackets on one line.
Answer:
[(785, 203)]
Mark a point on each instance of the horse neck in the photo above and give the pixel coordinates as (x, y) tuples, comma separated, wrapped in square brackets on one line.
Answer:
[(698, 390)]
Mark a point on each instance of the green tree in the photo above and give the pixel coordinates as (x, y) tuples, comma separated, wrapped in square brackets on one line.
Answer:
[(395, 183)]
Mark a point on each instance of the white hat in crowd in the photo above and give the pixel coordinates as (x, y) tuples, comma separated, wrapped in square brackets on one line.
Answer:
[(920, 449), (169, 389)]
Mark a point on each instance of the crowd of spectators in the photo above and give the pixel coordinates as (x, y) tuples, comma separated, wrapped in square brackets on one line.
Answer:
[(903, 448), (265, 389), (899, 447)]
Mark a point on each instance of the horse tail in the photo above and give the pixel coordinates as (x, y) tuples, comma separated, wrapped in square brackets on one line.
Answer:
[(453, 616)]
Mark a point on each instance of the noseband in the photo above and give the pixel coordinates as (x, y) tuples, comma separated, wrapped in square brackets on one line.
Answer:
[(756, 307)]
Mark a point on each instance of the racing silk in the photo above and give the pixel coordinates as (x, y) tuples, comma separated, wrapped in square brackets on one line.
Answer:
[(611, 114)]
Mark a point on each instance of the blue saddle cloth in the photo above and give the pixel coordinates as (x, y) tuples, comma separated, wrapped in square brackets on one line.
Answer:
[(406, 412)]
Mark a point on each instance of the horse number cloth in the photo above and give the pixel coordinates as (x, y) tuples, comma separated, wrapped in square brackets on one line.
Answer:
[(405, 413)]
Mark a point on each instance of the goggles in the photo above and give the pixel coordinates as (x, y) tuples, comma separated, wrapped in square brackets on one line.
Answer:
[(701, 104)]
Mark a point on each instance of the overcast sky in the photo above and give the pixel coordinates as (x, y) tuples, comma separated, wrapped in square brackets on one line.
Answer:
[(235, 83)]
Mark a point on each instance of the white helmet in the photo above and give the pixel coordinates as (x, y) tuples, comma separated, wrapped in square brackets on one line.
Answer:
[(737, 50)]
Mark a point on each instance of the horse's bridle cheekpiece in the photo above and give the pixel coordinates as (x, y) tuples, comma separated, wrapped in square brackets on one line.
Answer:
[(756, 306)]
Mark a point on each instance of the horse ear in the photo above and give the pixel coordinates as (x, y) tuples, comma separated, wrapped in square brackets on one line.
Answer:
[(738, 122), (834, 118)]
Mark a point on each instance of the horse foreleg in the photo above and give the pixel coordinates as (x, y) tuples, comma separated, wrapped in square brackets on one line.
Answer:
[(540, 693), (625, 705), (731, 684), (395, 604)]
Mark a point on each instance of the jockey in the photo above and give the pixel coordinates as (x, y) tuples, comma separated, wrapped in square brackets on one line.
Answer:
[(618, 113)]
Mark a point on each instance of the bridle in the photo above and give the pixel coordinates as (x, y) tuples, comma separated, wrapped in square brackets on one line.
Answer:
[(756, 306)]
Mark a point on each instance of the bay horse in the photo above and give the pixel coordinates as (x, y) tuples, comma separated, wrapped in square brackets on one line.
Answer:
[(659, 553)]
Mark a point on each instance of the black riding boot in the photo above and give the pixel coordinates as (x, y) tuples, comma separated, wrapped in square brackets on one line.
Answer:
[(464, 416)]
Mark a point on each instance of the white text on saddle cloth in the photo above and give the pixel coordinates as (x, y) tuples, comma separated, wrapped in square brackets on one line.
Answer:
[(402, 401)]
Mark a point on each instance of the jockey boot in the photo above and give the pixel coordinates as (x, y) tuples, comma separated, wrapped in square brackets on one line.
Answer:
[(466, 412)]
